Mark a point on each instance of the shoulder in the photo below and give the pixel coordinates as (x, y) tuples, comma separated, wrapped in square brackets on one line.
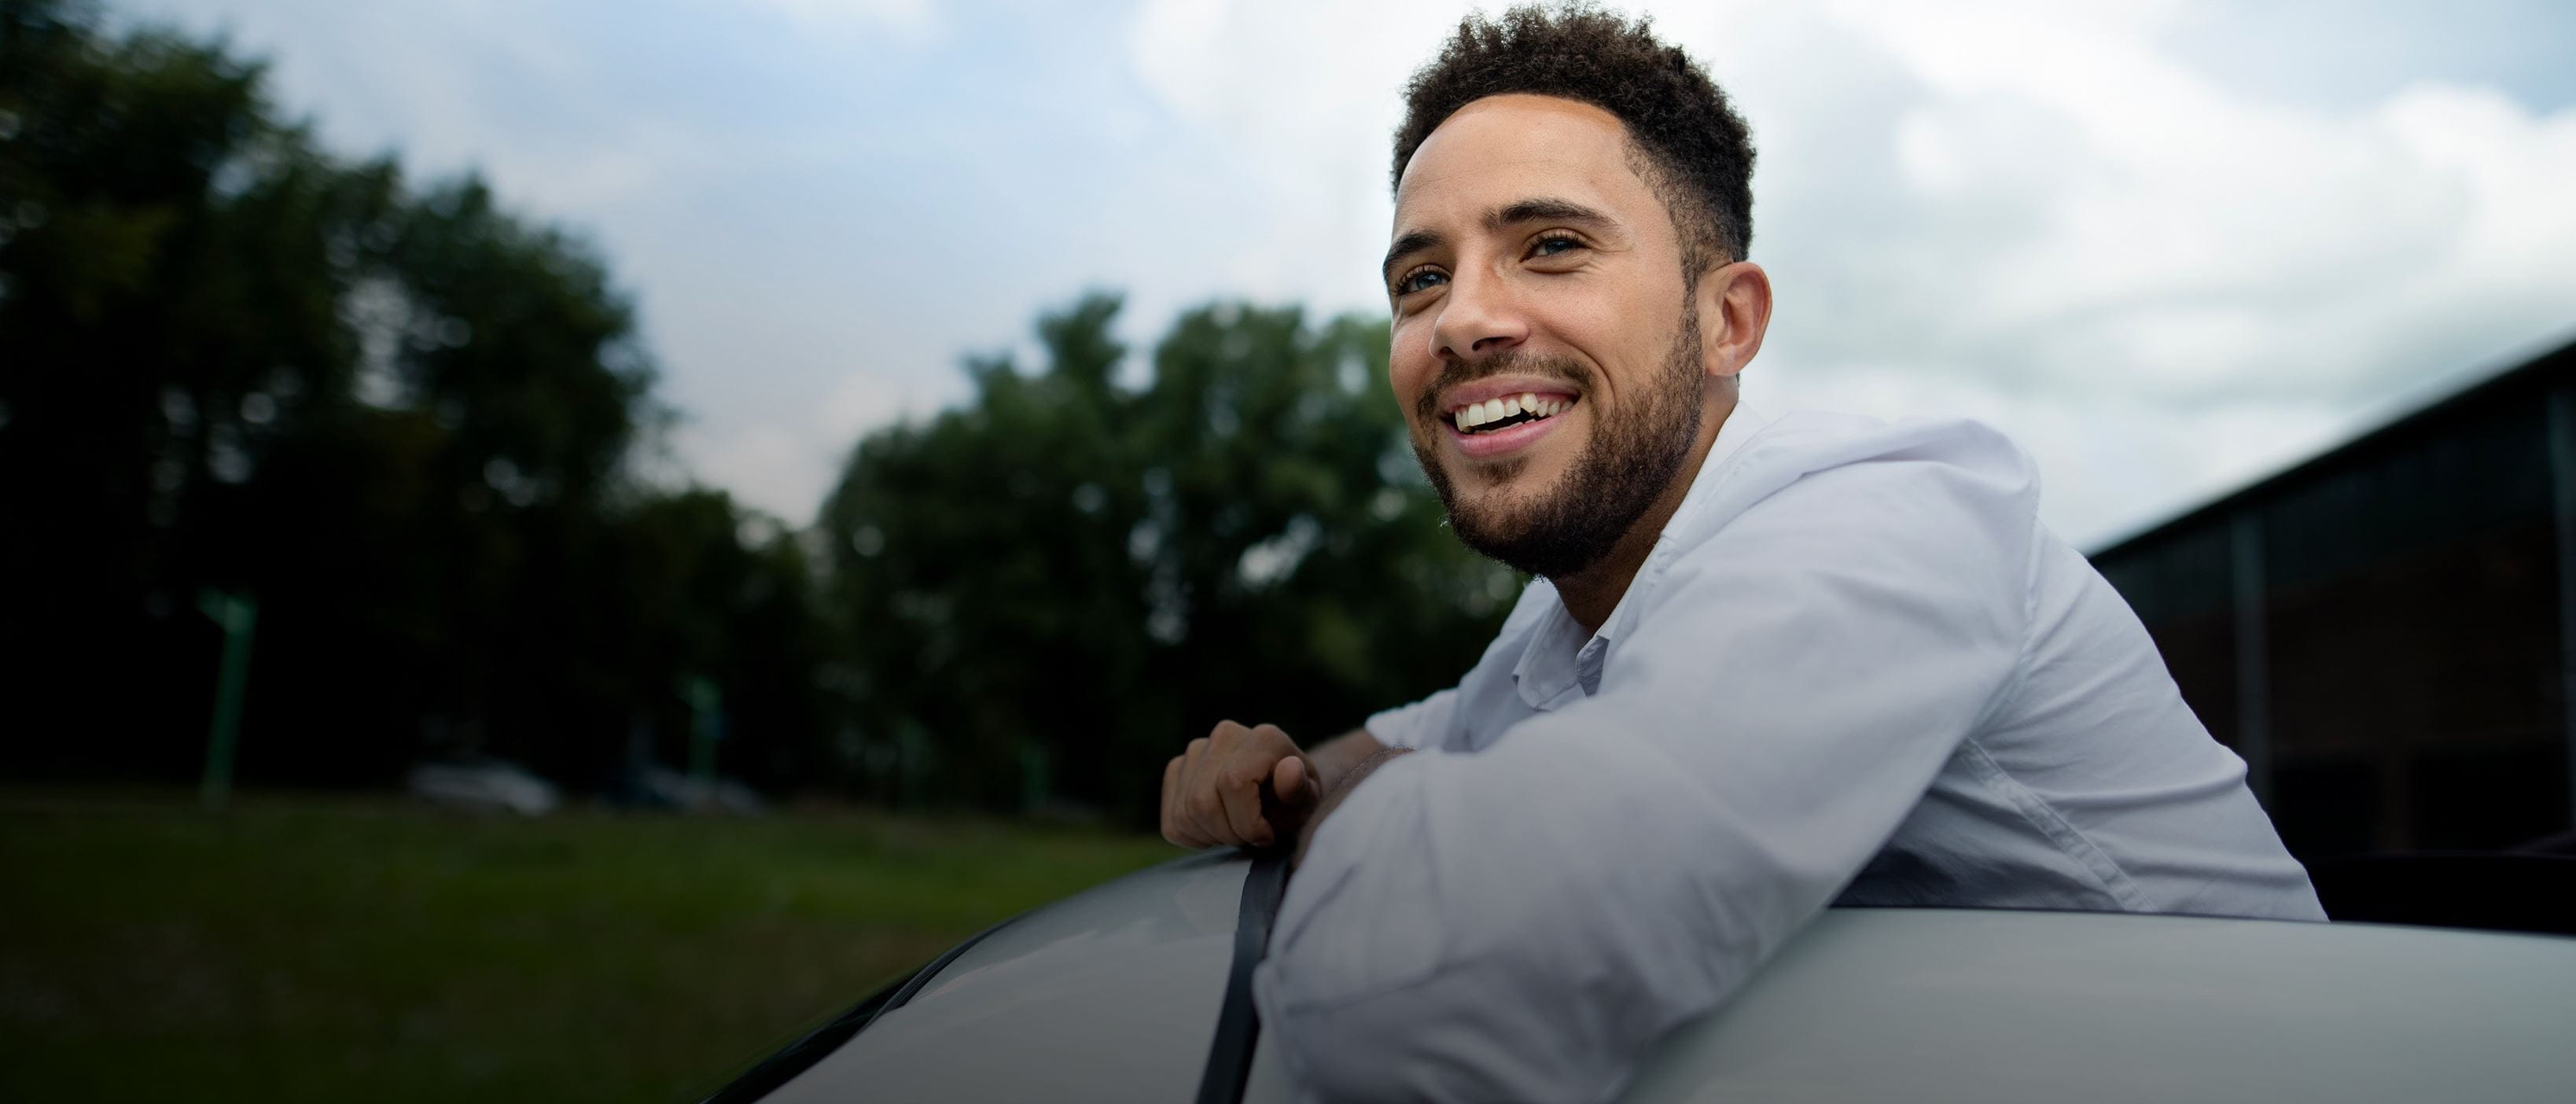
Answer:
[(1923, 476), (1806, 443), (1925, 514)]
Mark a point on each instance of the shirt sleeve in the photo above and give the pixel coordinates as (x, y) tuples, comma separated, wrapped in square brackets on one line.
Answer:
[(1522, 923)]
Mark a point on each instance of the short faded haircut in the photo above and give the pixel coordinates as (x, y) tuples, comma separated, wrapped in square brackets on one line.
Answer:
[(1686, 141)]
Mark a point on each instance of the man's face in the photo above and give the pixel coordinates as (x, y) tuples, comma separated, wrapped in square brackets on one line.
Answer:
[(1533, 267)]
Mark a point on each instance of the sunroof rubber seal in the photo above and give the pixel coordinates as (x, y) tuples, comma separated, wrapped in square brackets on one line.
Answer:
[(799, 1056)]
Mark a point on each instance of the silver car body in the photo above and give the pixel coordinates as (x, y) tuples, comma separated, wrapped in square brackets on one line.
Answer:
[(485, 784), (1113, 994)]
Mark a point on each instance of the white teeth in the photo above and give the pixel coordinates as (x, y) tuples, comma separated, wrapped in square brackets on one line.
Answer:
[(1493, 410)]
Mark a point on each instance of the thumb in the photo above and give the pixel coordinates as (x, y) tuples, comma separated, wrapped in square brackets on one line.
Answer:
[(1293, 781)]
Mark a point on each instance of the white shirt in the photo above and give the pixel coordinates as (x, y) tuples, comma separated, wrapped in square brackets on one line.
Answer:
[(1854, 669)]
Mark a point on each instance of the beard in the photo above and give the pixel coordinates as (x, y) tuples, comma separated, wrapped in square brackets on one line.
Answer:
[(1632, 457)]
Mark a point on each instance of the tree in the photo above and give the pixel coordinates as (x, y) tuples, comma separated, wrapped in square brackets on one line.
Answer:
[(400, 417), (1072, 573), (404, 419)]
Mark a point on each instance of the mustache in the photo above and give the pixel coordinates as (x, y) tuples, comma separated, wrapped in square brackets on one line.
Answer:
[(1558, 367)]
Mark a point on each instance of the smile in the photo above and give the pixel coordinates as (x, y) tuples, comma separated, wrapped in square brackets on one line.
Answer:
[(1494, 415), (1501, 425)]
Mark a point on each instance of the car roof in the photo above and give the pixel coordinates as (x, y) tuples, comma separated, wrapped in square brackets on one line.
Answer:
[(1114, 994), (1924, 1004), (1116, 988)]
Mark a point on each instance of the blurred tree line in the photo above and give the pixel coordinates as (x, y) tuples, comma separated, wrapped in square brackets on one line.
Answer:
[(415, 427), (399, 417), (1078, 577)]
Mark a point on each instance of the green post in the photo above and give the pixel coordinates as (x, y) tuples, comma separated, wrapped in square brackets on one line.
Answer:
[(706, 705), (236, 613), (1034, 782)]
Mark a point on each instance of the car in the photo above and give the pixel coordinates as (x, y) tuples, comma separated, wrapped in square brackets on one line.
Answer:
[(483, 783), (1138, 990)]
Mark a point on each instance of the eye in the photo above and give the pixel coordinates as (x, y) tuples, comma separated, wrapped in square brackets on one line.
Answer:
[(1420, 279), (1554, 244)]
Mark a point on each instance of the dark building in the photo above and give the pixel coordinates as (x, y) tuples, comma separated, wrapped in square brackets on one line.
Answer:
[(2387, 632)]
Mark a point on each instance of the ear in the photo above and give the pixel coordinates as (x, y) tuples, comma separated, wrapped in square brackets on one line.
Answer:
[(1734, 302)]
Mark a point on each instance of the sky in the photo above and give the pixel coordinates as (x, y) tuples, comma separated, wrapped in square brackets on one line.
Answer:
[(2169, 247)]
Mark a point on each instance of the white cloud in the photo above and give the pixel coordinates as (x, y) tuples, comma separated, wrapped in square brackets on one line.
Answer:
[(2041, 214), (1305, 97), (2033, 213)]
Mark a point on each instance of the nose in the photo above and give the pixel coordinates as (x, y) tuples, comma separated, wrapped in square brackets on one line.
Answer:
[(1477, 319)]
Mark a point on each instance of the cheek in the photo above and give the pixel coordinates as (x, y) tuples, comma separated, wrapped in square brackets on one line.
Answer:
[(1409, 371)]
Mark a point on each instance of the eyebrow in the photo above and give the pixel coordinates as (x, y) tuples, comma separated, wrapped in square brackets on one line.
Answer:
[(1541, 209)]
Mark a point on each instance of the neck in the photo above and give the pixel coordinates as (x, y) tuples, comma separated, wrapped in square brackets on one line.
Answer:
[(1590, 594)]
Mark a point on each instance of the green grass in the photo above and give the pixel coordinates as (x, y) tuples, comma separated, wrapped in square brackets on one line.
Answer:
[(306, 949)]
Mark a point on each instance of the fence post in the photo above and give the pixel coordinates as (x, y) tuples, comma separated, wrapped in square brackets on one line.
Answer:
[(236, 613)]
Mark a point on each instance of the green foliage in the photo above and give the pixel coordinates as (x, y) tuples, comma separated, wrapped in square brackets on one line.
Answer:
[(398, 416), (402, 418), (1073, 572)]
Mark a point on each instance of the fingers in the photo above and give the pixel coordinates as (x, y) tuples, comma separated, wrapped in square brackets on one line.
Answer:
[(1212, 791), (1293, 782), (1238, 787), (1292, 778), (1172, 829), (1202, 815), (1181, 821)]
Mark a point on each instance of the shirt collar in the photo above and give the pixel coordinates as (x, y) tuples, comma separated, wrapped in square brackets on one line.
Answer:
[(1559, 657)]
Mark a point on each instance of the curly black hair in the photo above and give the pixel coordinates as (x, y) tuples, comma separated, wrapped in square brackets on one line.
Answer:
[(1692, 147)]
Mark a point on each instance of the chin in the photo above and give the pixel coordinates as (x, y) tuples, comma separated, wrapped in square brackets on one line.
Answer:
[(1501, 510), (1531, 473)]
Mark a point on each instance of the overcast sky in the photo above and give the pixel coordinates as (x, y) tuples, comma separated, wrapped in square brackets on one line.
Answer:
[(2168, 247)]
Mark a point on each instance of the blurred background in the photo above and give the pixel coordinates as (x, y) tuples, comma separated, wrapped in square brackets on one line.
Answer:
[(544, 546)]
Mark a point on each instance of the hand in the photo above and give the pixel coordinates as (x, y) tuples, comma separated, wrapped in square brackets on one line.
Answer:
[(1213, 793)]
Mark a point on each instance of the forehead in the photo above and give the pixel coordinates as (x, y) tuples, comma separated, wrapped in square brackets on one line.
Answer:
[(1502, 149)]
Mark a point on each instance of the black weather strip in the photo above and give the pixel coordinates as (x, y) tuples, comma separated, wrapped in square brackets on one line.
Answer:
[(904, 995), (1238, 1024), (799, 1056)]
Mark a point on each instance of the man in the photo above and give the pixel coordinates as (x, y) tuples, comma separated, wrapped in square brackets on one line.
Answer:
[(1768, 664)]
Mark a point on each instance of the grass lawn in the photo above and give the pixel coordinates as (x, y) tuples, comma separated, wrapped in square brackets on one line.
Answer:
[(319, 949)]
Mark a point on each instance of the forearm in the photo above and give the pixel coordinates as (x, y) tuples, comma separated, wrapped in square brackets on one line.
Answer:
[(1335, 757), (1553, 949), (1341, 790)]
